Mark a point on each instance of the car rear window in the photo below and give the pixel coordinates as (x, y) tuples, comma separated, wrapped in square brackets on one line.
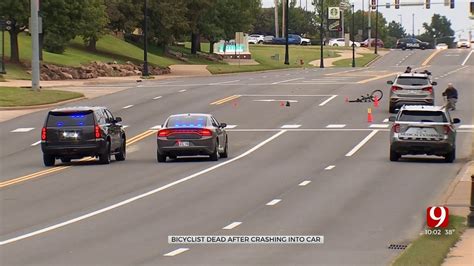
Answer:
[(187, 121), (412, 81), (422, 116), (70, 119)]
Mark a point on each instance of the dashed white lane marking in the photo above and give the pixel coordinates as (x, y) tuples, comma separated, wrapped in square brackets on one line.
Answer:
[(304, 183), (329, 167), (157, 97), (290, 126), (22, 129), (336, 126), (128, 106), (327, 100), (224, 82), (36, 143), (364, 141), (183, 90), (140, 196), (155, 127), (232, 225), (466, 126), (288, 80), (231, 126), (273, 202), (379, 125), (467, 58), (176, 252), (385, 120)]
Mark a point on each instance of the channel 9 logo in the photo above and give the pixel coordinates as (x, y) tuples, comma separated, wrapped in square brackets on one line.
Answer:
[(437, 217)]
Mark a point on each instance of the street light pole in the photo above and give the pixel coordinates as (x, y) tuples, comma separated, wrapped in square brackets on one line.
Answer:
[(145, 40), (376, 27), (287, 56), (401, 19), (353, 39), (34, 31), (413, 25), (321, 35)]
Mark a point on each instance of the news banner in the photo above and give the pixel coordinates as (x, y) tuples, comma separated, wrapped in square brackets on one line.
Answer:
[(214, 239)]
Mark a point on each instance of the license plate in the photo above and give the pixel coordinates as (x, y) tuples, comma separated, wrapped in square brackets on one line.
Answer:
[(421, 133), (70, 134), (183, 144)]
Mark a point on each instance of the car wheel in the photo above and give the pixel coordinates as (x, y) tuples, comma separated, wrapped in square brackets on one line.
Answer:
[(214, 156), (451, 156), (422, 48), (48, 160), (161, 158), (394, 156), (65, 160), (122, 154), (403, 48), (335, 44), (173, 157), (225, 154), (104, 158), (260, 42)]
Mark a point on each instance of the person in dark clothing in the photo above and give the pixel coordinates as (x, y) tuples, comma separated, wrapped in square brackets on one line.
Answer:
[(451, 95), (408, 70)]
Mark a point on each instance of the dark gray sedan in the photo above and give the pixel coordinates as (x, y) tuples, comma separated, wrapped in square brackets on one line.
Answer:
[(190, 135)]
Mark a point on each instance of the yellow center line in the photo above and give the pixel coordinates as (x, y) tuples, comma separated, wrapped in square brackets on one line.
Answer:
[(221, 101), (384, 76), (24, 178), (430, 57)]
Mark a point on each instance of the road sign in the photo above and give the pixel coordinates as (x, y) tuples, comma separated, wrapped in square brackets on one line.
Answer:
[(334, 12), (334, 25)]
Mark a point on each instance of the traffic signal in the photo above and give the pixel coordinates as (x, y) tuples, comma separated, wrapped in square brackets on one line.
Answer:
[(451, 4), (428, 4), (397, 4), (373, 4)]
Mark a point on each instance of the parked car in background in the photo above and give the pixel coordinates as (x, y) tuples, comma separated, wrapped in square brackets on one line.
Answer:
[(292, 39), (268, 39), (257, 37), (441, 46), (412, 43), (365, 43), (463, 43), (341, 42), (252, 40)]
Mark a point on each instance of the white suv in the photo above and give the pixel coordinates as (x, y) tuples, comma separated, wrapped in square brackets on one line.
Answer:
[(256, 38), (463, 43)]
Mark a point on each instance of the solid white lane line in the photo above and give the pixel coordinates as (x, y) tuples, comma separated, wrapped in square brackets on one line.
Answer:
[(22, 129), (379, 125), (138, 197), (232, 225), (273, 202), (155, 127), (467, 58), (290, 126), (183, 90), (231, 126), (288, 80), (327, 100), (224, 82), (128, 106), (466, 126), (336, 126), (304, 183), (36, 143), (157, 97), (385, 120), (364, 141), (176, 252), (329, 167), (307, 129)]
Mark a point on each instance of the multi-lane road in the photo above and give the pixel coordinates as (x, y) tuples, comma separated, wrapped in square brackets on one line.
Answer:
[(316, 167)]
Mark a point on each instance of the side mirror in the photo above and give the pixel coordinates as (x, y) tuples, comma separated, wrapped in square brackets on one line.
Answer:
[(456, 120), (392, 118), (389, 82), (434, 83), (223, 125), (118, 119)]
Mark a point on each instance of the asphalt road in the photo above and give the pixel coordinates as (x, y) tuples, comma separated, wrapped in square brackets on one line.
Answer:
[(316, 167)]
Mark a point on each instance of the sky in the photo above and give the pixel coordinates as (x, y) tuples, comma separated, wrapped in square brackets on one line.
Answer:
[(458, 16)]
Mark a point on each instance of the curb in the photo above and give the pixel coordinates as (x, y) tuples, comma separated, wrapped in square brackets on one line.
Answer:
[(41, 106), (452, 186), (373, 60)]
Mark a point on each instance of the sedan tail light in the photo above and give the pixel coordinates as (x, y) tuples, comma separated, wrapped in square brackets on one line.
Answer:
[(43, 133), (447, 129), (97, 131), (428, 89), (203, 132), (395, 88), (396, 128)]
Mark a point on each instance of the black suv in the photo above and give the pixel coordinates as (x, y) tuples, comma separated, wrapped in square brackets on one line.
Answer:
[(412, 43), (76, 132)]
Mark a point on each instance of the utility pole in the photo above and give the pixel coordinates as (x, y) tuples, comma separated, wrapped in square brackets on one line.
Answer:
[(321, 34), (363, 18), (413, 25), (287, 55), (376, 27), (145, 40), (283, 18), (401, 19), (277, 30), (353, 39), (369, 32), (34, 31)]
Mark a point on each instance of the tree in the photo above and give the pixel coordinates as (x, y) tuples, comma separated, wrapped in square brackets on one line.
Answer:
[(124, 15), (93, 22), (396, 30), (440, 28), (18, 12), (266, 19)]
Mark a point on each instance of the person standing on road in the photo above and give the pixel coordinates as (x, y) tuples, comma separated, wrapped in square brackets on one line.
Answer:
[(451, 95)]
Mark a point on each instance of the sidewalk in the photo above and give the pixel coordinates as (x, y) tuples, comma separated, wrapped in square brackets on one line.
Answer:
[(345, 54), (458, 194)]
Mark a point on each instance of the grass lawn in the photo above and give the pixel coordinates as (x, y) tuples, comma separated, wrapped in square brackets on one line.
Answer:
[(360, 62), (11, 97), (431, 250)]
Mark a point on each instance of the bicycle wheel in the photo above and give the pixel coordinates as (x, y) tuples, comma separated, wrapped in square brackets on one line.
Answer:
[(378, 94)]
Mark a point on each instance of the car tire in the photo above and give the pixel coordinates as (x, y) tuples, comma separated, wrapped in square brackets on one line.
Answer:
[(48, 160), (394, 156), (403, 48), (161, 158), (104, 158), (225, 154), (214, 156), (65, 160), (173, 157), (335, 44), (451, 156), (423, 48), (122, 154), (260, 42)]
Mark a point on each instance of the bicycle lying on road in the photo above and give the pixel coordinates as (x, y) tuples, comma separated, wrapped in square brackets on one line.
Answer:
[(369, 97)]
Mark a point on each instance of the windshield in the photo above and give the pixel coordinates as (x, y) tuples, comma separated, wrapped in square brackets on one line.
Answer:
[(422, 116), (187, 121), (70, 119), (413, 81)]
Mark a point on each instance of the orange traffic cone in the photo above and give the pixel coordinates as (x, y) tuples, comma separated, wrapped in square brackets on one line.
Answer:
[(370, 119), (376, 101), (282, 103)]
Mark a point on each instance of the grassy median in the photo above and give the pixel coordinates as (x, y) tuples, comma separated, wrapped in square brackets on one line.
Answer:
[(431, 249), (15, 97), (360, 61)]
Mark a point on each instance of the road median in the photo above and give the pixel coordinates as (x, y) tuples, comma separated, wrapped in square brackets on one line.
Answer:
[(12, 98)]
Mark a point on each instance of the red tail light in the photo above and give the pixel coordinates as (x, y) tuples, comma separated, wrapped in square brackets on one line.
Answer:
[(395, 88), (97, 132), (428, 89), (163, 133), (396, 128), (43, 133), (447, 129), (204, 132)]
